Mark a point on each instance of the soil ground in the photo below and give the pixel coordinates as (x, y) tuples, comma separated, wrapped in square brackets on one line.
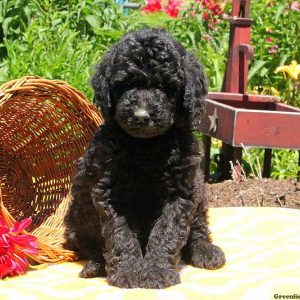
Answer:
[(254, 192)]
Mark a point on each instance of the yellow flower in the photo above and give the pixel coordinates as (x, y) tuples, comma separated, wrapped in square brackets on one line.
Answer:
[(274, 91), (255, 90), (224, 4), (216, 143), (293, 70), (260, 90)]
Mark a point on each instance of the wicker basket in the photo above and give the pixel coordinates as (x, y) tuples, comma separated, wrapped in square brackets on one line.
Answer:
[(44, 127)]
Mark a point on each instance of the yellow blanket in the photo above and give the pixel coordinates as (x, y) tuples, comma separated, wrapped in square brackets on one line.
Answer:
[(262, 247)]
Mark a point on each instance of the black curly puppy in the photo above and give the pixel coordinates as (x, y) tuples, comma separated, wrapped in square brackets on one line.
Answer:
[(139, 202)]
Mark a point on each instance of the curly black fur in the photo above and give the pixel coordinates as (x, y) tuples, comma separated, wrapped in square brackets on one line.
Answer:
[(139, 202)]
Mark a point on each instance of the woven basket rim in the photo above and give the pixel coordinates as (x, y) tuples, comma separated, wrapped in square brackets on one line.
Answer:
[(30, 82)]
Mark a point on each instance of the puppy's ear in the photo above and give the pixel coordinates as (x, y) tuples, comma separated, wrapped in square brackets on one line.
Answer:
[(195, 90), (101, 84)]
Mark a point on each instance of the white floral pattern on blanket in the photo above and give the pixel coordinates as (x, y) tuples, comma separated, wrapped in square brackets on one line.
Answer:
[(262, 247)]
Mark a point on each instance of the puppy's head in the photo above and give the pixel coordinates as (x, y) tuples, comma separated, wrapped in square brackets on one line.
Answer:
[(147, 83), (145, 112)]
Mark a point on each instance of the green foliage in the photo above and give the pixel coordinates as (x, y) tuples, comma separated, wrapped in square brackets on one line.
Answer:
[(57, 39), (48, 53), (63, 39), (208, 44), (276, 40), (285, 164)]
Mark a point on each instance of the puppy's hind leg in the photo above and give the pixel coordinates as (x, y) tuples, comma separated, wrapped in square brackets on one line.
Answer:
[(81, 236), (93, 268), (87, 249), (199, 250)]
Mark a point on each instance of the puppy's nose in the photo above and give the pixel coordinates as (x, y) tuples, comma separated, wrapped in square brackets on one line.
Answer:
[(141, 116)]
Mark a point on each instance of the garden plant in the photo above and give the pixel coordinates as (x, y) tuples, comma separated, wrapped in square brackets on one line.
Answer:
[(64, 39)]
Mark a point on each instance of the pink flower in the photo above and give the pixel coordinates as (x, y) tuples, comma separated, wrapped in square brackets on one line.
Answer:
[(205, 15), (212, 10), (152, 6), (273, 49), (213, 6), (14, 246), (173, 8), (225, 16), (295, 6), (4, 270), (269, 40)]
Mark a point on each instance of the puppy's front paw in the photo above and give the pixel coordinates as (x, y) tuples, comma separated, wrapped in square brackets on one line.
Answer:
[(127, 277), (159, 276), (206, 255), (93, 269)]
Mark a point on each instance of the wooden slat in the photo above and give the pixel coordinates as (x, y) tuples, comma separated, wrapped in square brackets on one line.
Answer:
[(267, 129), (241, 97), (225, 121)]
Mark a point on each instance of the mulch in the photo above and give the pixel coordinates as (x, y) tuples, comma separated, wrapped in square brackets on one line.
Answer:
[(254, 192)]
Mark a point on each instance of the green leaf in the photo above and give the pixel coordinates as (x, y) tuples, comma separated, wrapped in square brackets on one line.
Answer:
[(5, 25), (56, 22), (256, 66), (283, 59), (92, 21), (219, 75), (263, 71), (281, 8)]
